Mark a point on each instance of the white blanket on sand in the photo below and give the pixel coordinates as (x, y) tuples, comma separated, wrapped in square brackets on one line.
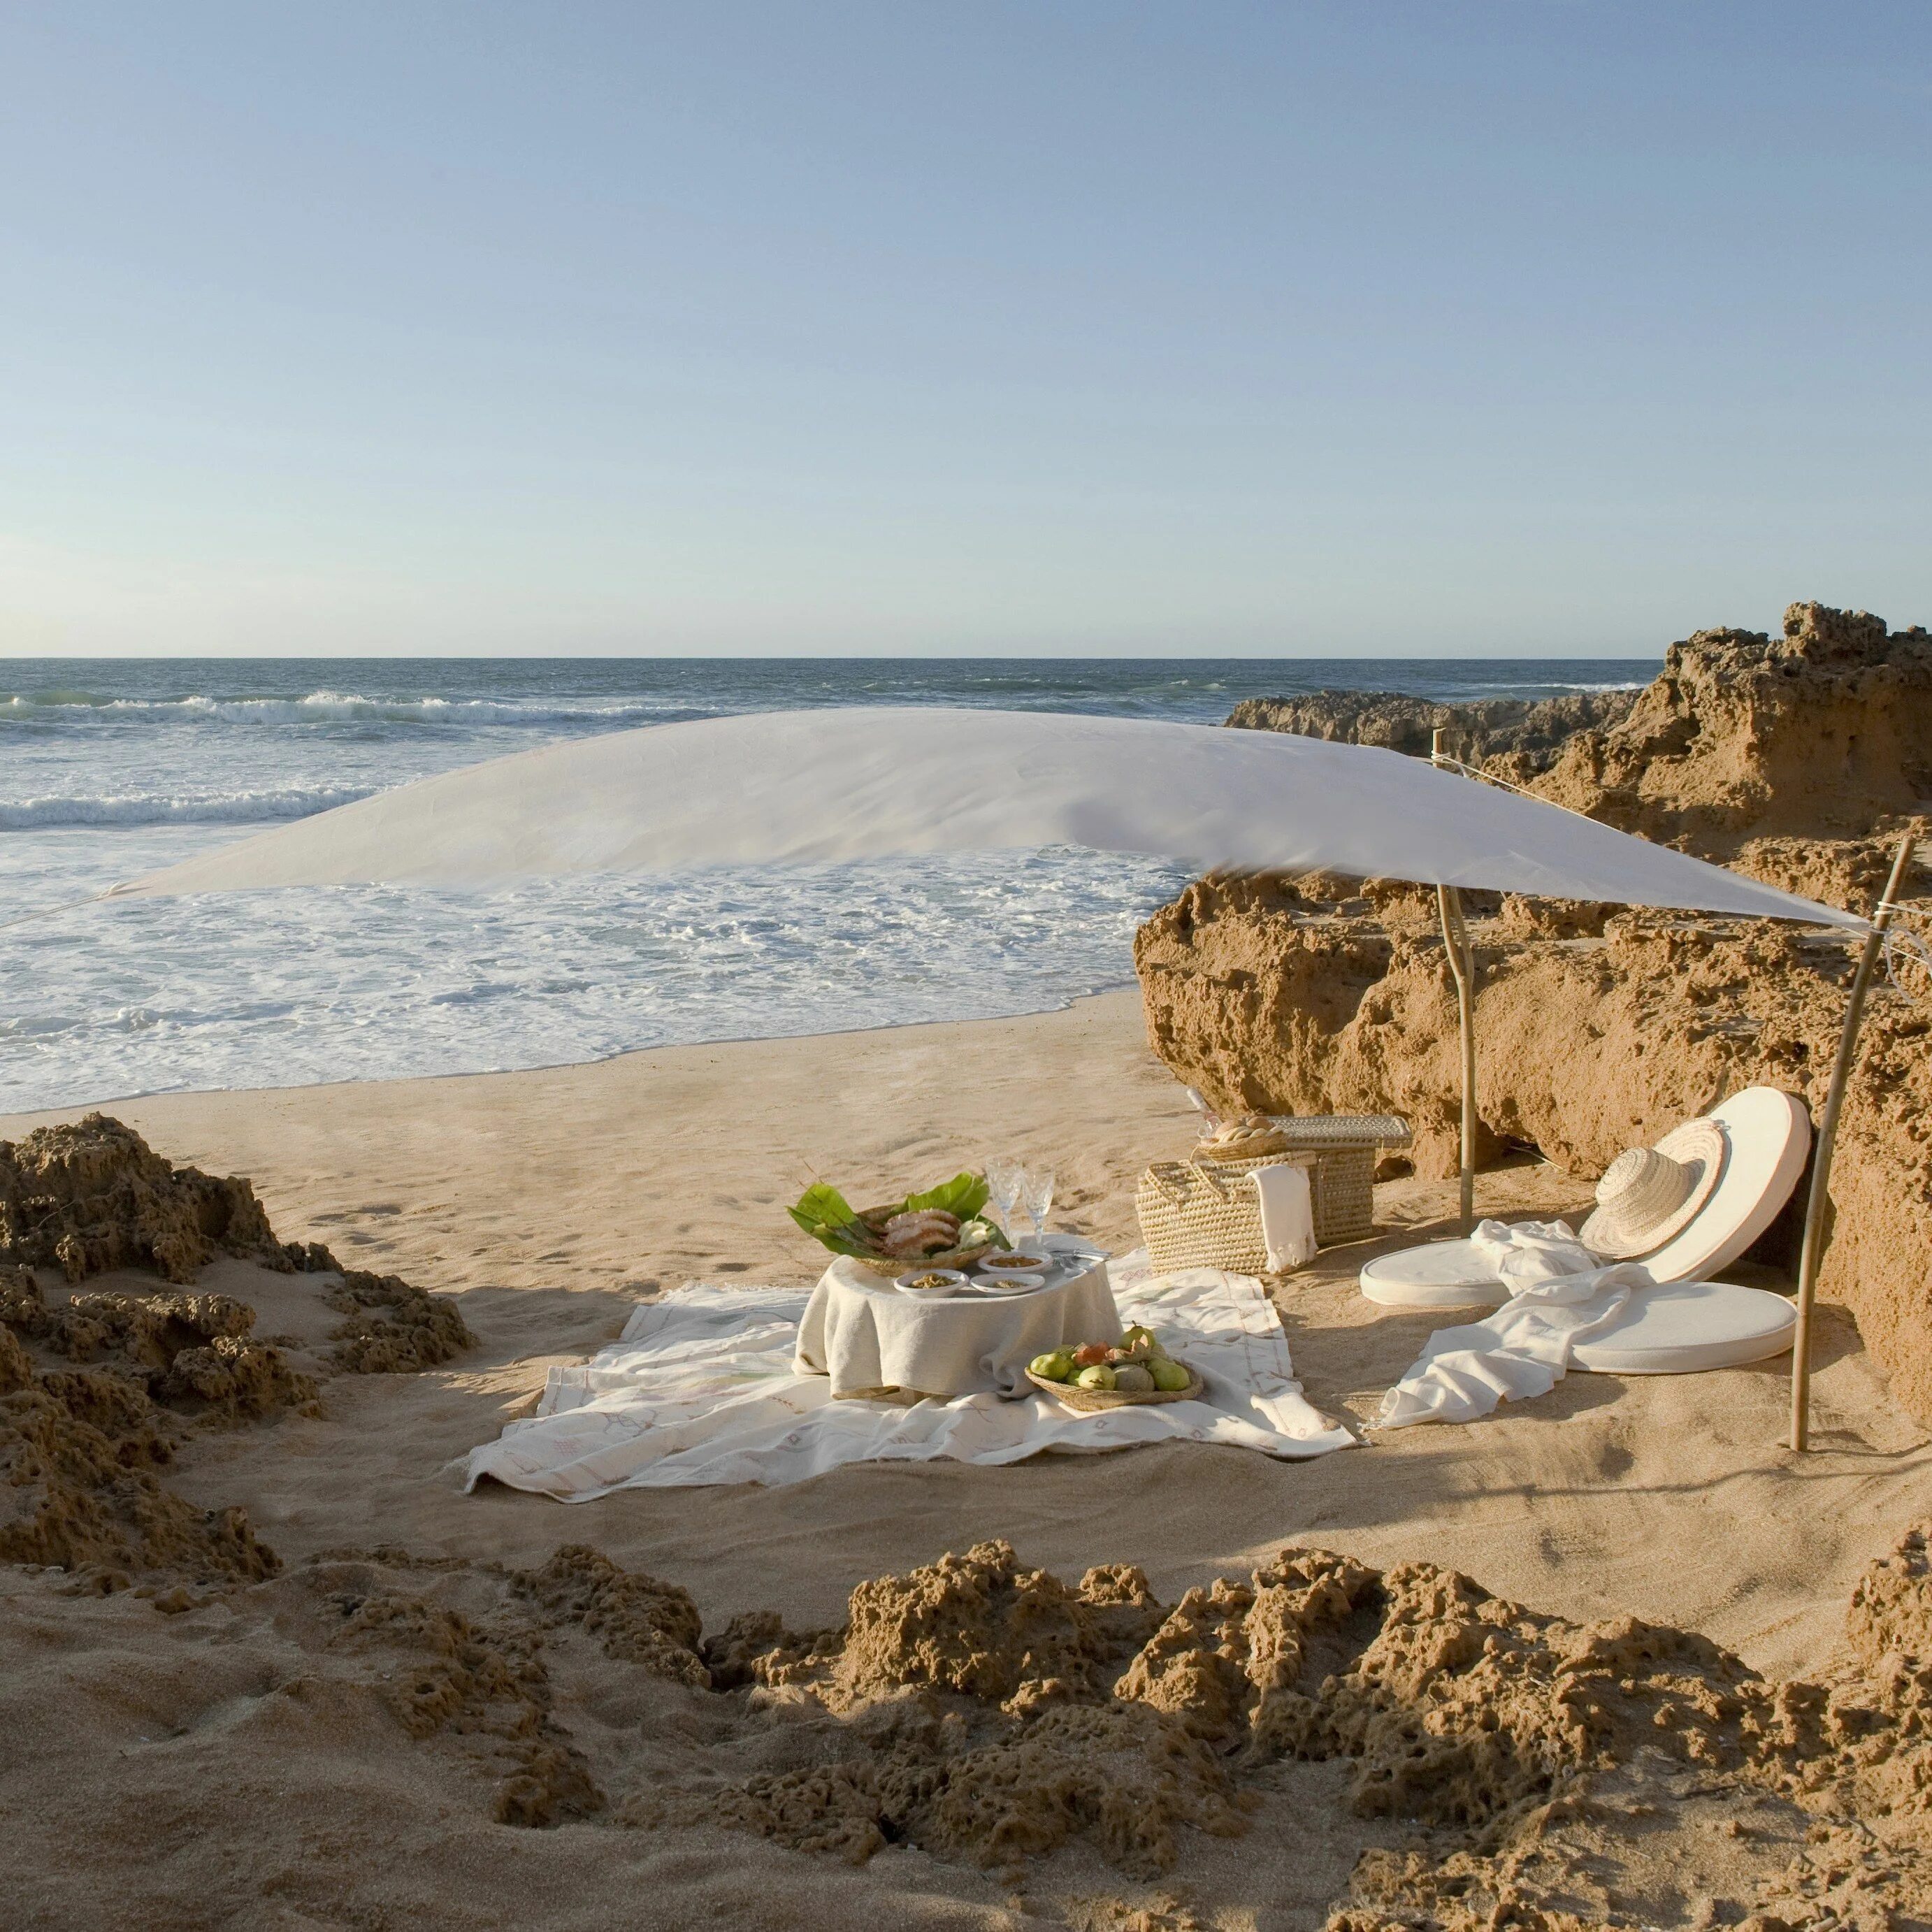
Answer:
[(701, 1388), (1562, 1294)]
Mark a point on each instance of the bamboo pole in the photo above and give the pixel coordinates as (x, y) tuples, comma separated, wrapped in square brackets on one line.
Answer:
[(1819, 1197), (1463, 970)]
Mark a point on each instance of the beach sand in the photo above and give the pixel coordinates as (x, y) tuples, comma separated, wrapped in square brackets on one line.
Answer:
[(173, 1770)]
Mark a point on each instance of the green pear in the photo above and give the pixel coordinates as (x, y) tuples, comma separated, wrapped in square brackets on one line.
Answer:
[(1055, 1365), (1099, 1376), (1168, 1375)]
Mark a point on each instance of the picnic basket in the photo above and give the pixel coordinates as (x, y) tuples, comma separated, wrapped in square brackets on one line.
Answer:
[(1201, 1212)]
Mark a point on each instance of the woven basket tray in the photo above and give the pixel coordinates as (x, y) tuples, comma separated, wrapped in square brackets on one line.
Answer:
[(1090, 1399), (875, 1219)]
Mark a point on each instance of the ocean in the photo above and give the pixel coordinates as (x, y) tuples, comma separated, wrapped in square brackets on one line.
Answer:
[(110, 769)]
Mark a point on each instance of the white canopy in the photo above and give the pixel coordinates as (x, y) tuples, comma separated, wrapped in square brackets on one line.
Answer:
[(879, 782)]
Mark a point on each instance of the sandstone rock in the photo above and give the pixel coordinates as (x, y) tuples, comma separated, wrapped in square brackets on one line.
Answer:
[(1585, 1046), (1821, 733), (1596, 1027), (1532, 730), (79, 1446), (94, 1196)]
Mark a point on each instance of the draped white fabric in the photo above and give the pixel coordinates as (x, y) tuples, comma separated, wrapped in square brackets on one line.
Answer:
[(879, 782), (1560, 1294), (701, 1388)]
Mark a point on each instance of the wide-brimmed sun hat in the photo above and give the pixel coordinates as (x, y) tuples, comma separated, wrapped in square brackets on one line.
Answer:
[(1649, 1194), (1767, 1134)]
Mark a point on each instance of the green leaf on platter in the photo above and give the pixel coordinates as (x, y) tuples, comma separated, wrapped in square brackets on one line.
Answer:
[(822, 1207), (824, 1214), (964, 1194)]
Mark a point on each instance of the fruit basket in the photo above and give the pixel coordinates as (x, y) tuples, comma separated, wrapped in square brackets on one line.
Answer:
[(1090, 1399), (1056, 1371)]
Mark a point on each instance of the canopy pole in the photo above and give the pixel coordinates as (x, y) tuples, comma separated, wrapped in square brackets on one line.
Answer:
[(1463, 970), (1816, 1203)]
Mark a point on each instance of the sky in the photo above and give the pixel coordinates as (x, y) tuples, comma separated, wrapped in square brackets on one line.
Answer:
[(1075, 326)]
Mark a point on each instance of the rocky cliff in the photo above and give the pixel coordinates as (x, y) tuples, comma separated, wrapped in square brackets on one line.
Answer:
[(1531, 730), (1795, 759)]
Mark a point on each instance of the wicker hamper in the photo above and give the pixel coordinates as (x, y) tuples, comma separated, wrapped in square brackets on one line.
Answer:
[(1198, 1213)]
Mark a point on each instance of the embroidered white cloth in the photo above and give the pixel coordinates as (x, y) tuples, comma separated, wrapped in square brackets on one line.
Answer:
[(1563, 1295), (1288, 1214), (862, 1332), (701, 1389)]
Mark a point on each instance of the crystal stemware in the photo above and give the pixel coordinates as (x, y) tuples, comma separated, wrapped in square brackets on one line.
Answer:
[(1002, 1191), (1036, 1197)]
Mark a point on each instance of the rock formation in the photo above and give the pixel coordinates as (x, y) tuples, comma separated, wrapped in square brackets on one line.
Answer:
[(1795, 759), (99, 1390), (991, 1713), (1530, 730), (1825, 732), (93, 1196)]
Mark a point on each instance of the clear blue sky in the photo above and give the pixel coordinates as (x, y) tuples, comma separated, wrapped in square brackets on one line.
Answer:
[(1408, 326)]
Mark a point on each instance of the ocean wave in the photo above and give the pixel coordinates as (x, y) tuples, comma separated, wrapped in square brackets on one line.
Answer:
[(235, 807), (325, 707)]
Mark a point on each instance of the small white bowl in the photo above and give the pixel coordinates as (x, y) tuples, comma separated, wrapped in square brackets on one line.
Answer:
[(1010, 1283), (1005, 1261), (951, 1281)]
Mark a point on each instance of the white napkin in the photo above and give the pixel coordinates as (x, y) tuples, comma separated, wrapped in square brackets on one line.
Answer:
[(1287, 1215), (1523, 1252)]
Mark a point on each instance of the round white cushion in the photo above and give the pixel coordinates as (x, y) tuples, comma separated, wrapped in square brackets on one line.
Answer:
[(1682, 1327), (1439, 1274)]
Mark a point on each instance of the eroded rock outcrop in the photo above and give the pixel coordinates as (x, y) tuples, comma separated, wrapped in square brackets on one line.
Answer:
[(987, 1710), (1823, 732), (1597, 1027), (1528, 1770), (99, 1389), (93, 1196), (1532, 730), (79, 1451)]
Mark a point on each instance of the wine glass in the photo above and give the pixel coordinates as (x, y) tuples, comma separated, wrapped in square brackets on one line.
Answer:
[(1036, 1197), (1004, 1179)]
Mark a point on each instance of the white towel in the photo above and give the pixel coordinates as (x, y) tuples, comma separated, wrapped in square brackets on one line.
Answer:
[(1287, 1215)]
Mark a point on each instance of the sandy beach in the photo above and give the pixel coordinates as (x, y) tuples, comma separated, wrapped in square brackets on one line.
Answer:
[(549, 1203)]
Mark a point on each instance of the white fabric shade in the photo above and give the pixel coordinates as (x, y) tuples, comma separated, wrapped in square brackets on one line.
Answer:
[(881, 782)]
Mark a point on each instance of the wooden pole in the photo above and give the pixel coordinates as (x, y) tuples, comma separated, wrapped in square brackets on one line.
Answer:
[(1819, 1198), (1463, 970)]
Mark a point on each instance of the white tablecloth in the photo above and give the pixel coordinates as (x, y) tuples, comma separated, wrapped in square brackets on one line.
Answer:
[(866, 1335)]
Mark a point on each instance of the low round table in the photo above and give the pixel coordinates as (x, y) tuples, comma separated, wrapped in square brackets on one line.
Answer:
[(866, 1335)]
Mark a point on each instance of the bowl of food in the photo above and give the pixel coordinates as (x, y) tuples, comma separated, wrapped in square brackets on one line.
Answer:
[(1014, 1261), (931, 1284), (1004, 1281), (1136, 1370)]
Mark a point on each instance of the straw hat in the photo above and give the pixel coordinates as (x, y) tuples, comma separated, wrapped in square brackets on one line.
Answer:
[(1650, 1194)]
